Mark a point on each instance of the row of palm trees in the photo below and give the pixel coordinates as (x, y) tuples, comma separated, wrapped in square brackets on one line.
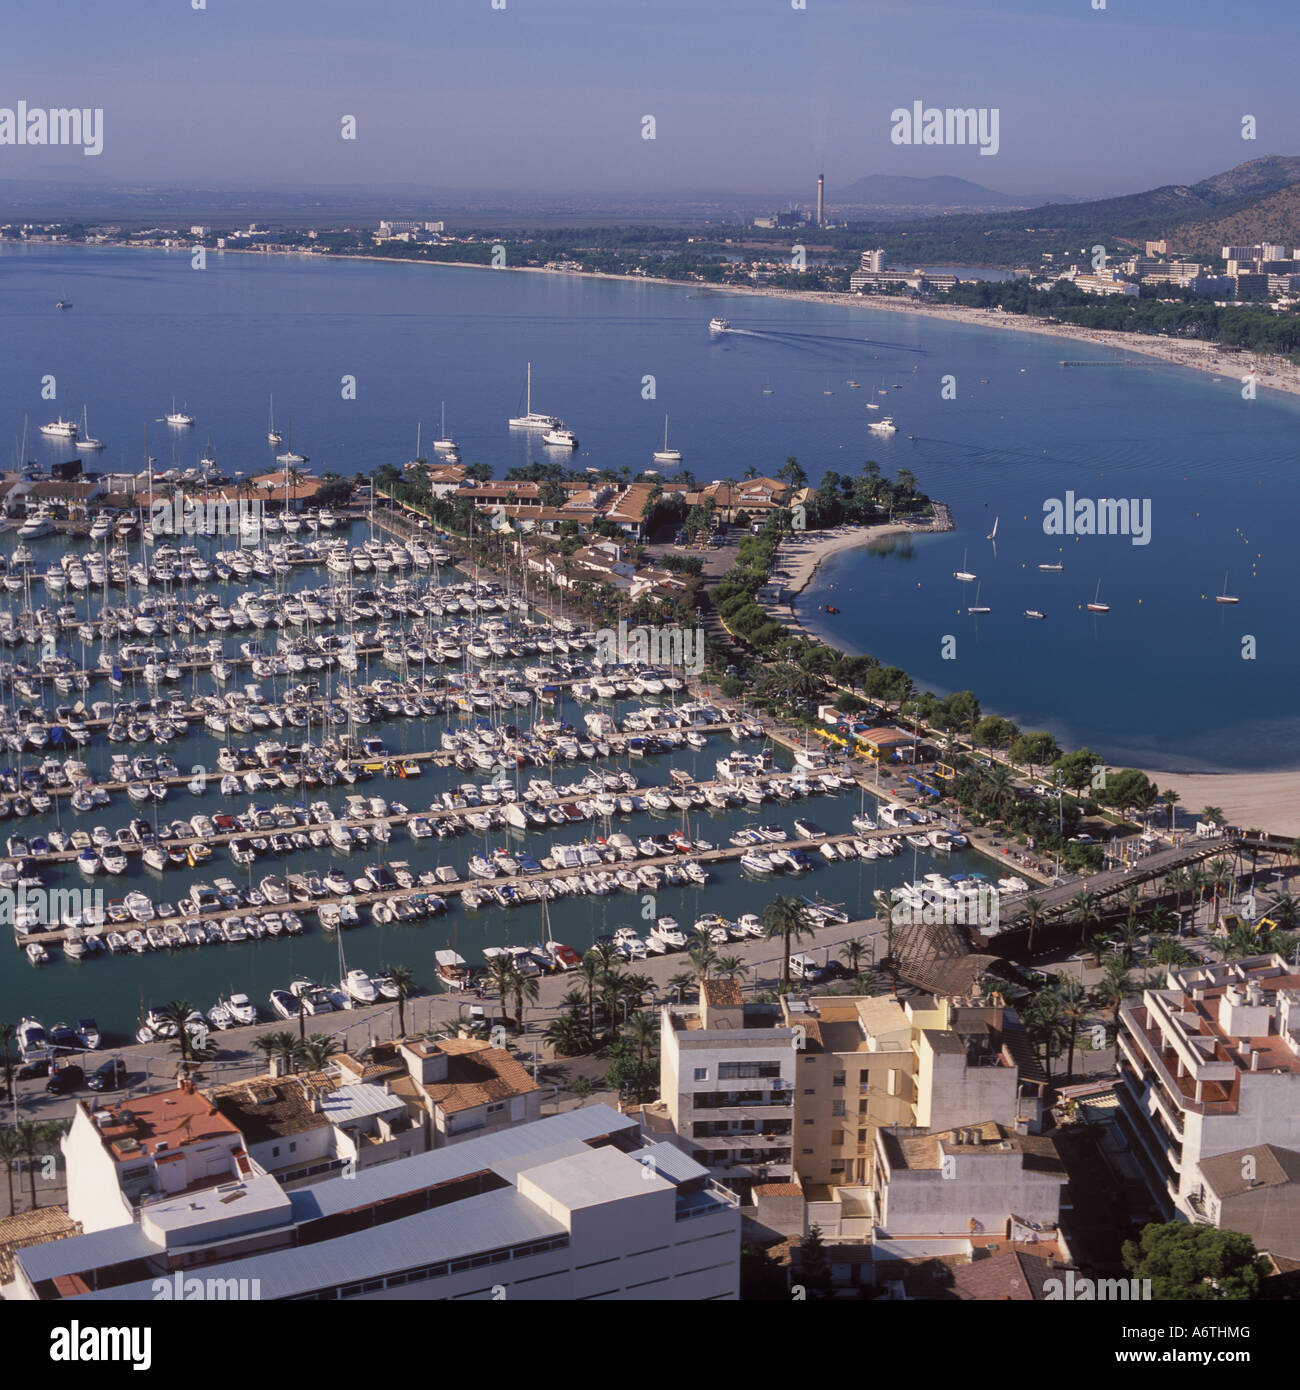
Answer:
[(29, 1142)]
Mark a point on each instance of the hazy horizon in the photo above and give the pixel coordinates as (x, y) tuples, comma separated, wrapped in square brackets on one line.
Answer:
[(751, 98)]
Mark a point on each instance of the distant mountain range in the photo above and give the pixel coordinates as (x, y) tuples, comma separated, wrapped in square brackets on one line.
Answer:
[(900, 191), (1254, 201)]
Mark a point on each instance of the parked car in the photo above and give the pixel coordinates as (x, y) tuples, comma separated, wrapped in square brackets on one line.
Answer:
[(110, 1076), (65, 1079)]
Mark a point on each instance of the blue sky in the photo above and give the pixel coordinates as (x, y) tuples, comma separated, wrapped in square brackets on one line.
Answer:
[(748, 95)]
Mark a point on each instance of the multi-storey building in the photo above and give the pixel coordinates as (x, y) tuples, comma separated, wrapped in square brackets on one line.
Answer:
[(727, 1076), (572, 1207), (1209, 1065)]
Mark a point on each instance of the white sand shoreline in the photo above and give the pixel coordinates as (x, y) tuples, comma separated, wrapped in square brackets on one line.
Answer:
[(1270, 372)]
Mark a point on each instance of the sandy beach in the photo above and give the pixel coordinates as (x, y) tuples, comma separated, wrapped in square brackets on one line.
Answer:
[(1270, 372), (799, 555), (1264, 800)]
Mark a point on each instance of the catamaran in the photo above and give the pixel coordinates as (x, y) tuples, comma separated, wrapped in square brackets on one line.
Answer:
[(532, 419), (667, 455)]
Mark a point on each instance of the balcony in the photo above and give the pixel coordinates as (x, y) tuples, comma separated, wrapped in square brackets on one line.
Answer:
[(1144, 1048), (742, 1141)]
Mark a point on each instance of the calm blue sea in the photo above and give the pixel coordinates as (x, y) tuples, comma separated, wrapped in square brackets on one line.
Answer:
[(1160, 679)]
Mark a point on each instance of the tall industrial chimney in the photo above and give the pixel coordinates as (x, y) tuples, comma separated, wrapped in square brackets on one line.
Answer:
[(821, 199)]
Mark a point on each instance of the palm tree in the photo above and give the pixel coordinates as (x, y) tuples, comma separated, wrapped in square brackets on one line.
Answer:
[(178, 1012), (522, 987), (643, 1034), (1169, 952), (573, 1001), (1087, 911), (730, 966), (608, 956), (684, 980), (1213, 815), (1130, 934), (35, 1139), (568, 1035), (702, 955), (1197, 882), (1285, 910), (402, 979), (269, 1045), (1161, 918), (787, 918), (1221, 875), (1074, 1011), (1099, 944), (851, 954), (1046, 1026), (501, 972), (8, 1032), (1033, 914), (1176, 882), (1171, 799), (1115, 985), (11, 1148), (317, 1050), (591, 971)]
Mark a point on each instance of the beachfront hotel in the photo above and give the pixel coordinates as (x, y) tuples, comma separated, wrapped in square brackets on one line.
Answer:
[(1210, 1066)]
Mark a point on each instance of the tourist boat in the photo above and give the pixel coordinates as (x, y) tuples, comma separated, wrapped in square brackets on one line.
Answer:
[(60, 429), (179, 419), (560, 438), (885, 425), (451, 968), (667, 455), (532, 419), (719, 325)]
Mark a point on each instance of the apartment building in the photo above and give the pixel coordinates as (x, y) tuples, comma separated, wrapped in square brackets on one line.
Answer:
[(809, 1086), (973, 1180), (727, 1077), (300, 1127), (125, 1155), (572, 1207), (1209, 1066)]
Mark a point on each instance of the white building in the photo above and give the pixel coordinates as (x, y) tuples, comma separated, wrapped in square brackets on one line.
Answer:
[(727, 1083), (1209, 1066), (983, 1179), (571, 1207)]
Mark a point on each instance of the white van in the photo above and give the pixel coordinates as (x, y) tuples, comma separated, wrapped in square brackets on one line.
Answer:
[(803, 967)]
